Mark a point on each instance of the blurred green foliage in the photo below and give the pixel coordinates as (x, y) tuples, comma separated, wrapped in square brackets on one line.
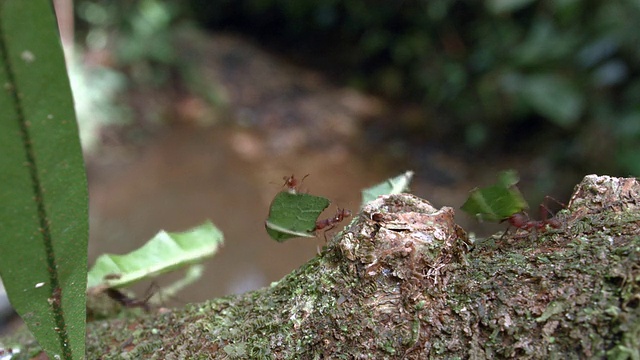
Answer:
[(127, 54), (138, 34), (139, 43), (96, 91), (560, 77), (505, 73)]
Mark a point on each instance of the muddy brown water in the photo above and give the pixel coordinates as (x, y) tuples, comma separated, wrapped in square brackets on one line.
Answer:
[(187, 175), (280, 119)]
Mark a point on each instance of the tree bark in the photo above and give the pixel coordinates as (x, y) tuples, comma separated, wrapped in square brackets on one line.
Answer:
[(403, 281)]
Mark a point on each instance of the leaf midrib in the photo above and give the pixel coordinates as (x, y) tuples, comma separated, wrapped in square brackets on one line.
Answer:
[(38, 192)]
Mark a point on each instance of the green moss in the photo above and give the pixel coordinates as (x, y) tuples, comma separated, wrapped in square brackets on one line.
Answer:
[(399, 295)]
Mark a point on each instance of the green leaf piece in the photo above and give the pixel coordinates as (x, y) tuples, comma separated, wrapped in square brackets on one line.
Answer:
[(497, 202), (193, 274), (294, 215), (163, 253), (43, 190), (508, 178), (395, 185)]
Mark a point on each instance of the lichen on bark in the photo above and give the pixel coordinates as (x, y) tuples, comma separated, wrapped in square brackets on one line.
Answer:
[(403, 281)]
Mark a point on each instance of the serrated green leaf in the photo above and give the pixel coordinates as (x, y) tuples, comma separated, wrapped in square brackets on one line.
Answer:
[(497, 202), (294, 215), (395, 185), (43, 191), (163, 253)]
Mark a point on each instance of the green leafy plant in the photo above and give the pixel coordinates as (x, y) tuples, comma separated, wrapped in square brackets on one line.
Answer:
[(43, 189), (43, 220), (145, 43)]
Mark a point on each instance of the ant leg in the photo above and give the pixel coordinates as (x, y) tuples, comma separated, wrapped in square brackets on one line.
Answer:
[(546, 220), (562, 205), (544, 209), (153, 295), (326, 231), (544, 212), (505, 233), (298, 186)]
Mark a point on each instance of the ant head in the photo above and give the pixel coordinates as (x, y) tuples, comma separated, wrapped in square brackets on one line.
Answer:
[(341, 214), (289, 180)]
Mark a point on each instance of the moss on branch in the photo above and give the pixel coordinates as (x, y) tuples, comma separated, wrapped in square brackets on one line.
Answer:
[(403, 281)]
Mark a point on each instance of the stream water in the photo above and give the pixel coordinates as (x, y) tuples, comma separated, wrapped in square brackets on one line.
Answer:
[(283, 120), (279, 120)]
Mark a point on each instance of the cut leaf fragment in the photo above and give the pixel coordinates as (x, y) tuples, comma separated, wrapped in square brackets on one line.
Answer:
[(294, 215), (508, 178), (193, 274), (395, 185), (497, 202), (164, 253)]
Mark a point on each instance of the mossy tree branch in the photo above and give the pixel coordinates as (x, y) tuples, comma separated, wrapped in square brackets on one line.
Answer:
[(403, 281)]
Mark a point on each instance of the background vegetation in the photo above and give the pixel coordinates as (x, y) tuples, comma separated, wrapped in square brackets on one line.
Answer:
[(559, 73), (499, 74)]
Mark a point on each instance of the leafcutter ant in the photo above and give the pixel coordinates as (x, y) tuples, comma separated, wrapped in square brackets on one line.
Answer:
[(128, 302), (330, 223), (522, 221), (292, 183)]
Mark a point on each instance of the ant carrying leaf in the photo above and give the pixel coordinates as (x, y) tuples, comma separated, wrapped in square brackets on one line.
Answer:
[(497, 202), (522, 221), (504, 202), (294, 215), (107, 302), (165, 252), (128, 301)]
